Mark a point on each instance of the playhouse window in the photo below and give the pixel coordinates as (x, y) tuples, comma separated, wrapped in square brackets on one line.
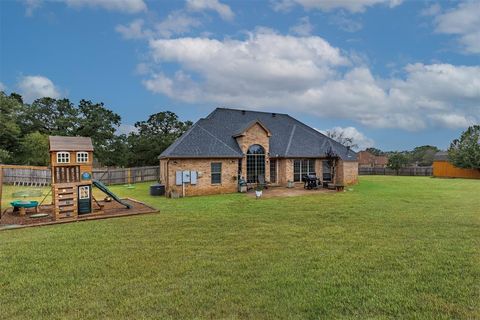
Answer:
[(82, 157), (63, 157)]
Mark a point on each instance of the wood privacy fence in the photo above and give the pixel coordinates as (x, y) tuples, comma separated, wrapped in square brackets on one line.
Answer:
[(408, 171), (41, 176), (445, 169), (126, 175)]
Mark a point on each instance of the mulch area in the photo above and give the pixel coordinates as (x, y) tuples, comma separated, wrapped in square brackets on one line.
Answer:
[(10, 219)]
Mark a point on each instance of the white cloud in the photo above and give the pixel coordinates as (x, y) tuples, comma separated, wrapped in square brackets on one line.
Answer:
[(464, 21), (2, 87), (345, 23), (358, 138), (127, 6), (307, 74), (31, 6), (303, 28), (328, 5), (177, 22), (453, 121), (34, 87), (432, 10), (223, 10), (134, 30)]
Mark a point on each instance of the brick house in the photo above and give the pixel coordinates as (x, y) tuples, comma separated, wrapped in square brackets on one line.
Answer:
[(230, 144), (368, 160)]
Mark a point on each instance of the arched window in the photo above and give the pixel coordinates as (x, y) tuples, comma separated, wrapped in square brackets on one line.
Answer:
[(255, 163)]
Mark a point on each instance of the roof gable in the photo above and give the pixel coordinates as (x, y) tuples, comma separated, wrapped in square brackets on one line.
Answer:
[(248, 126), (59, 143)]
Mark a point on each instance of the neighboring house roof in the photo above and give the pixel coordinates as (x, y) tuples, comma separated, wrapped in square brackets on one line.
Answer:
[(214, 136), (58, 143), (441, 156)]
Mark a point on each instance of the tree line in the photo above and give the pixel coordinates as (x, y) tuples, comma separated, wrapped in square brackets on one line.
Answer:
[(463, 152), (24, 131)]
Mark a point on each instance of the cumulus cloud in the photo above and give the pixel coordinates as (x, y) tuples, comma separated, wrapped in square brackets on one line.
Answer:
[(2, 87), (358, 138), (223, 10), (303, 28), (270, 70), (328, 5), (34, 87), (176, 23), (463, 21)]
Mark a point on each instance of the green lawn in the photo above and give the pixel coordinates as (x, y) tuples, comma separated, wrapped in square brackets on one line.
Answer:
[(393, 247)]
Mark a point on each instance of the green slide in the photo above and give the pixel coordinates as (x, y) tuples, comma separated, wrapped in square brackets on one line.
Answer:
[(107, 191)]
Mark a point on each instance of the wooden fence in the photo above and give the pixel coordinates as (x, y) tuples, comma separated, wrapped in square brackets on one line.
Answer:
[(408, 171), (126, 175), (41, 176), (445, 169)]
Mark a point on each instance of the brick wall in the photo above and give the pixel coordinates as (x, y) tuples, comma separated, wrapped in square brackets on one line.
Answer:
[(255, 135), (347, 172), (203, 167)]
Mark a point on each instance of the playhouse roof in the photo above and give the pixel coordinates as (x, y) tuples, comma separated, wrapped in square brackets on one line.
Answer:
[(58, 143)]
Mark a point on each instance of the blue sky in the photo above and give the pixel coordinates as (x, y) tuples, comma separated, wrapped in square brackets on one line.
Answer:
[(393, 74)]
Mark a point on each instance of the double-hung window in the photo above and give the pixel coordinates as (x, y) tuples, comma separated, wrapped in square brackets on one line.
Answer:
[(216, 172), (302, 167)]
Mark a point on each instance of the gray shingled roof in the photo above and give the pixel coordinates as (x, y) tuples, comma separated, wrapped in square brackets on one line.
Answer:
[(59, 143), (213, 137)]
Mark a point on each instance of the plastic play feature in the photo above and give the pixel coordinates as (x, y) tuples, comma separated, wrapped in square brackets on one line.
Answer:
[(27, 193), (107, 191), (21, 206)]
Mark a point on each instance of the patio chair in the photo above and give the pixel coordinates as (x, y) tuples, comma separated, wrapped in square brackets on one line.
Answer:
[(261, 181)]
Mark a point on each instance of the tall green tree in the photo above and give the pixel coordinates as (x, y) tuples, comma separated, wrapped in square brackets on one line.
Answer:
[(99, 123), (465, 151), (423, 156), (51, 116), (10, 131), (155, 135), (34, 149), (396, 161)]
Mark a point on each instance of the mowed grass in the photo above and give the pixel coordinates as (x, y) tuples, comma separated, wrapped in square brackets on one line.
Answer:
[(393, 247)]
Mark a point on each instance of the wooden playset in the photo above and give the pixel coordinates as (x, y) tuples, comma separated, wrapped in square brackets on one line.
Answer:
[(71, 161), (71, 171)]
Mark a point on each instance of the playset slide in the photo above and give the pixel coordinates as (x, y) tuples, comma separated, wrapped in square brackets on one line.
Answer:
[(107, 191)]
